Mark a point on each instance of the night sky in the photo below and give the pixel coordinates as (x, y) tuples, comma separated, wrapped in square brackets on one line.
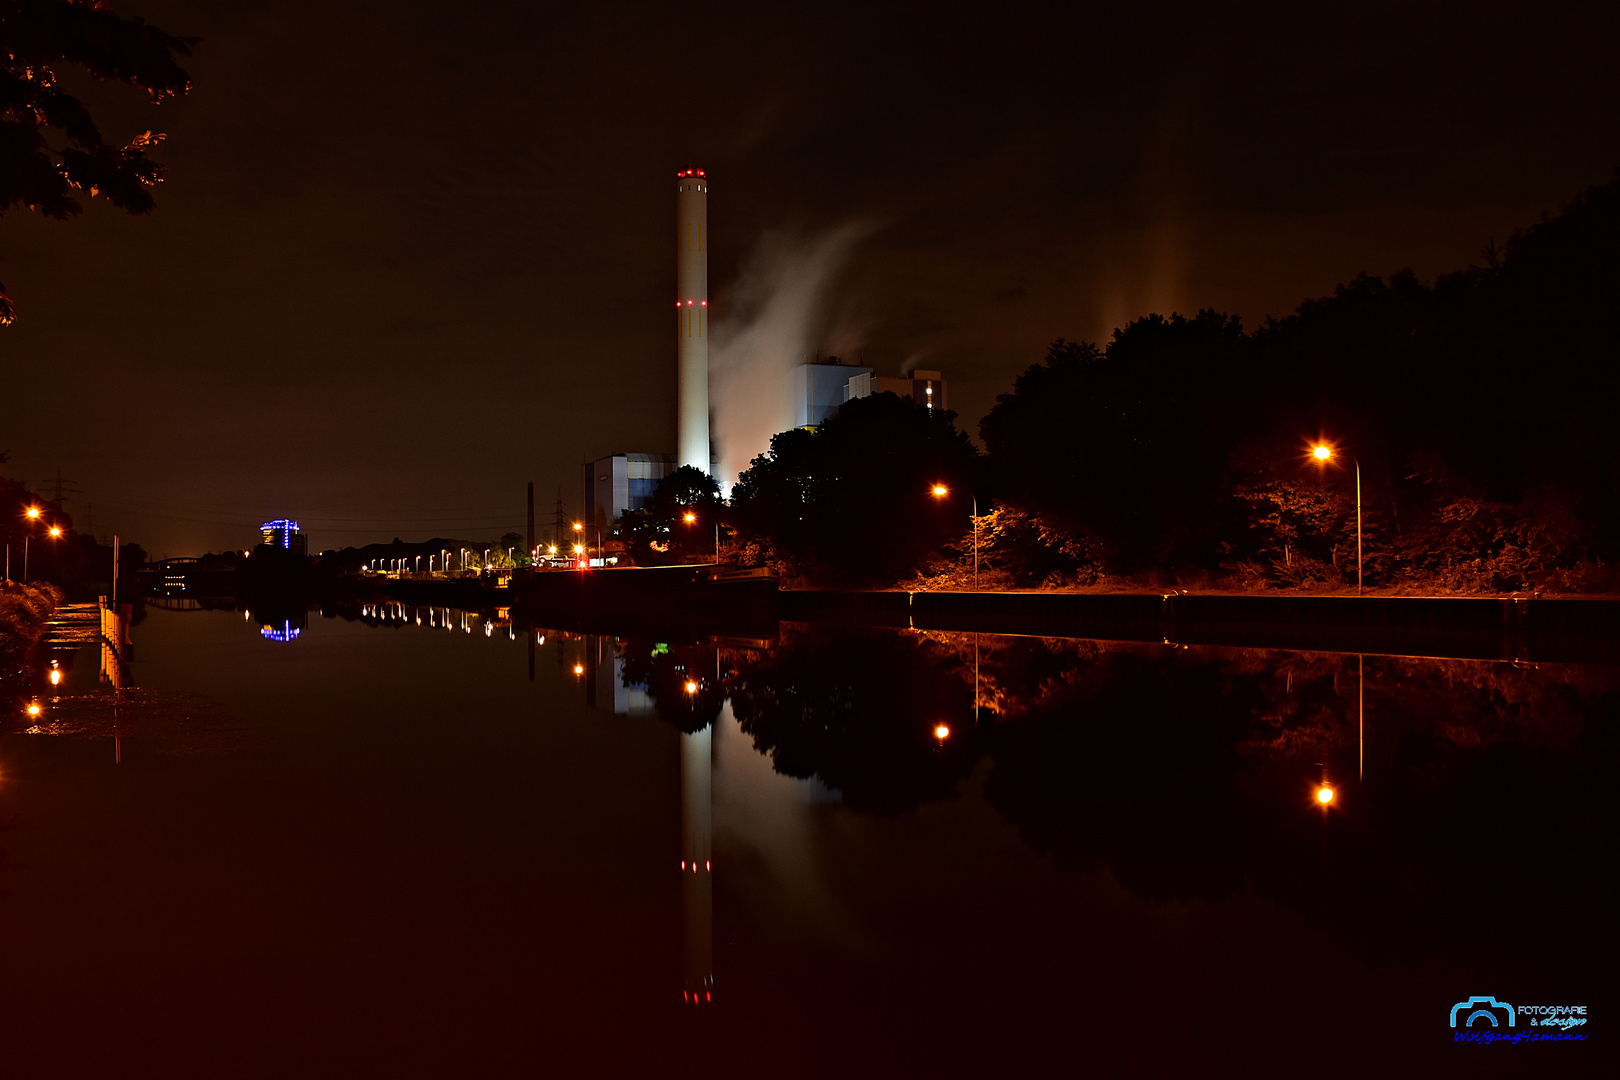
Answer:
[(410, 256)]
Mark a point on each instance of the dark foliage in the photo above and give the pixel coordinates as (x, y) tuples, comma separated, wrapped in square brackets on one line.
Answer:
[(1476, 408), (852, 499), (1116, 445), (658, 534), (37, 37)]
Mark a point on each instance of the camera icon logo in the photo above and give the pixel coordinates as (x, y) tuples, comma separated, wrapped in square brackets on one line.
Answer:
[(1482, 1012)]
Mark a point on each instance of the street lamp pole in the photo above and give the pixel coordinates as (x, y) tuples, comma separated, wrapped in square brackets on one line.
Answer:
[(1323, 452), (975, 499), (939, 491), (1358, 526)]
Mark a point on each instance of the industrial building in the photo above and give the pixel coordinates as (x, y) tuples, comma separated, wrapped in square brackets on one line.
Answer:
[(620, 482), (820, 389)]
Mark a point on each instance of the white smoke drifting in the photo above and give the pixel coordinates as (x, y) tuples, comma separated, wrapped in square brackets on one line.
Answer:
[(778, 320)]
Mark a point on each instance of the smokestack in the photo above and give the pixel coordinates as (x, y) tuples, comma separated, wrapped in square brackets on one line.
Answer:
[(692, 317), (531, 518)]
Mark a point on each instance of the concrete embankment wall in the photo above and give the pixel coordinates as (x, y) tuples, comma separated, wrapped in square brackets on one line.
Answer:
[(1482, 628)]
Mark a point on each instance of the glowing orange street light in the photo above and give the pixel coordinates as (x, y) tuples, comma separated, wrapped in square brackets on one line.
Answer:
[(1324, 795), (691, 687), (942, 733), (579, 669), (33, 513), (941, 489), (33, 708), (1323, 452), (56, 531), (690, 517)]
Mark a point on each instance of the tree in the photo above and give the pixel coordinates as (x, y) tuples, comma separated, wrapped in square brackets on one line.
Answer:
[(50, 147), (513, 551), (1124, 446), (850, 499), (659, 532)]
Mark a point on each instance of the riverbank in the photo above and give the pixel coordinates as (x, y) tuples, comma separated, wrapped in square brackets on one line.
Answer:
[(693, 599), (25, 612), (1523, 628)]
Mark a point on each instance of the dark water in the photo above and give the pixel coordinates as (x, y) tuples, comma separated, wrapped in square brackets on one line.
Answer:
[(426, 843)]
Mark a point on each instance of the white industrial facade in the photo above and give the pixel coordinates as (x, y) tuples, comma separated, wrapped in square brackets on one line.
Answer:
[(620, 482)]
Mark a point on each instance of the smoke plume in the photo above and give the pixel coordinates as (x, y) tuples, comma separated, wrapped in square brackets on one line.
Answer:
[(777, 320)]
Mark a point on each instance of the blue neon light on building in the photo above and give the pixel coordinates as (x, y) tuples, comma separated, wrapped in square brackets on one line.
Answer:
[(283, 533), (285, 632)]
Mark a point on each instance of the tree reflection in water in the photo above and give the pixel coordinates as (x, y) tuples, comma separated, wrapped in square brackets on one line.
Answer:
[(1485, 809)]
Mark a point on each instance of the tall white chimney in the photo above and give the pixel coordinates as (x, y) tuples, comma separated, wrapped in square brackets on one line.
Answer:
[(692, 317)]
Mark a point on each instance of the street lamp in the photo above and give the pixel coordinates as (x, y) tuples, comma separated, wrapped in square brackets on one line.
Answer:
[(1322, 452), (32, 514), (939, 492), (690, 517)]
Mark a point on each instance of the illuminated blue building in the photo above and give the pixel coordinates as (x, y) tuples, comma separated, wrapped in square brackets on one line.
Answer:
[(285, 632), (283, 533)]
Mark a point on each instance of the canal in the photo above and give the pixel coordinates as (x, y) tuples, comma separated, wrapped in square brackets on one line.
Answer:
[(409, 840)]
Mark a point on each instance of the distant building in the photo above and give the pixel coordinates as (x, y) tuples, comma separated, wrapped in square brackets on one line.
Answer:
[(923, 387), (620, 482), (283, 533), (819, 389)]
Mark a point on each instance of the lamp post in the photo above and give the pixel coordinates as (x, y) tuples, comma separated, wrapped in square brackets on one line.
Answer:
[(54, 532), (1323, 452), (939, 492), (691, 518)]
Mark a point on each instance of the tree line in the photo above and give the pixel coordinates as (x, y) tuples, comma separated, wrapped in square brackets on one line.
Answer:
[(1474, 410)]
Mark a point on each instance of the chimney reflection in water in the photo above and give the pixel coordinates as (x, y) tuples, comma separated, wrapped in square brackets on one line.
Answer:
[(697, 866)]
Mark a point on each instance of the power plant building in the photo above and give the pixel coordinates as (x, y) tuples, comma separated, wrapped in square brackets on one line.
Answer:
[(820, 389), (620, 482), (923, 387)]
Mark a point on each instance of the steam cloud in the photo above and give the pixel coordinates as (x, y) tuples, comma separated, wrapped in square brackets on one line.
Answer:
[(778, 321)]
